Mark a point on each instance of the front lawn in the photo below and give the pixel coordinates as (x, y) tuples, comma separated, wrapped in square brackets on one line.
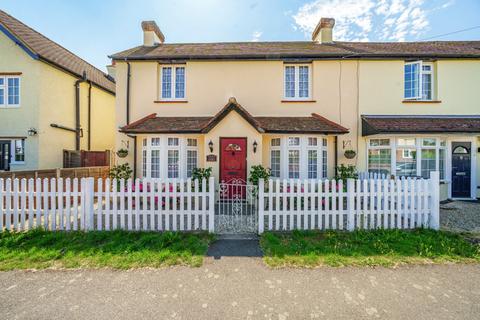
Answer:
[(366, 248), (39, 249)]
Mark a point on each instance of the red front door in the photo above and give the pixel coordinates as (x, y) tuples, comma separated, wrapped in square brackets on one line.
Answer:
[(233, 162)]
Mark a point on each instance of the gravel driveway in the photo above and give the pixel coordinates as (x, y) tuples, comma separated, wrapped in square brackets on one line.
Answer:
[(460, 216)]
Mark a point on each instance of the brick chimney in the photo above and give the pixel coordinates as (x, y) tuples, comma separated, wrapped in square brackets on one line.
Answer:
[(323, 32), (152, 35)]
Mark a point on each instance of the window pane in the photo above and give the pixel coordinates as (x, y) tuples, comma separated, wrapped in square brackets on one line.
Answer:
[(19, 150), (379, 142), (290, 82), (155, 164), (295, 141), (312, 164), (294, 164), (173, 141), (303, 81), (173, 163), (13, 91), (441, 163), (379, 161), (405, 142), (275, 163), (324, 163), (427, 86), (428, 162), (144, 142), (191, 142), (144, 163), (312, 141), (2, 96), (166, 82), (412, 80), (180, 82), (191, 161), (324, 142), (429, 142), (406, 162), (275, 142), (155, 141)]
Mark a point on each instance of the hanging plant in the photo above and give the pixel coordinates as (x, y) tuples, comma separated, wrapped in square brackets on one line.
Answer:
[(122, 153), (350, 154)]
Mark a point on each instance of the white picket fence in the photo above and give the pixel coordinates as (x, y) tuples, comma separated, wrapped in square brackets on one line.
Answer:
[(73, 204), (362, 204), (365, 175)]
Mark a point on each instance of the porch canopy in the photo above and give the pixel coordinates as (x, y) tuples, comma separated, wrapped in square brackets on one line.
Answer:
[(405, 124), (314, 124)]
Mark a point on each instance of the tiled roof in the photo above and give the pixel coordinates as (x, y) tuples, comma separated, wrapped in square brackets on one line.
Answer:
[(313, 124), (51, 52), (304, 49), (378, 124)]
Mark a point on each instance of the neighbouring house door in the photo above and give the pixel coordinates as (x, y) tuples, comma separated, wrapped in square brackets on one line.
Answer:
[(4, 155), (461, 169), (233, 162)]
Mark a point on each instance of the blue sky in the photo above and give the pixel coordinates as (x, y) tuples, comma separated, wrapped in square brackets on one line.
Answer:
[(93, 29)]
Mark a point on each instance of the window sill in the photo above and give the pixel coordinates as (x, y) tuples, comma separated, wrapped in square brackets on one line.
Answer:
[(422, 101), (299, 101), (170, 101), (10, 107)]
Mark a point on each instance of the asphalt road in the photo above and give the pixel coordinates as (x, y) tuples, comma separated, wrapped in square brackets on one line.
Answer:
[(243, 288)]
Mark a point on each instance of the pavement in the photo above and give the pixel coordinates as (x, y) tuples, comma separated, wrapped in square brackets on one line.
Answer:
[(242, 287)]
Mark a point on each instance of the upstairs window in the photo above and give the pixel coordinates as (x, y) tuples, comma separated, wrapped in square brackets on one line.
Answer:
[(418, 81), (297, 82), (9, 92), (172, 82)]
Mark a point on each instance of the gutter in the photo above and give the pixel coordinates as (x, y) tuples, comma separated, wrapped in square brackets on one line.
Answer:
[(336, 155), (134, 155)]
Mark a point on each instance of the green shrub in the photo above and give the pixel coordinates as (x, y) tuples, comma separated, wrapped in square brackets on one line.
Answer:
[(121, 171), (259, 172)]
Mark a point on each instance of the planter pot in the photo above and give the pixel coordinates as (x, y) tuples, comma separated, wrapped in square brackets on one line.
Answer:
[(350, 154), (122, 153)]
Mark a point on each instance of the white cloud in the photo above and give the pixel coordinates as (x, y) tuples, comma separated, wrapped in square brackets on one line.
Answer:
[(360, 20), (256, 35)]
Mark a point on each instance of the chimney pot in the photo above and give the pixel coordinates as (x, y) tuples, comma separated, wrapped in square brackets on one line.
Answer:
[(152, 35), (323, 32)]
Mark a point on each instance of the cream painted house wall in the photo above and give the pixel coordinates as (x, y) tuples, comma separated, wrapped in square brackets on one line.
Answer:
[(47, 95)]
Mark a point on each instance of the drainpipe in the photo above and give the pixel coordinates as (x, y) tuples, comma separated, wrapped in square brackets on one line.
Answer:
[(77, 110), (128, 92), (134, 155), (336, 154), (89, 116)]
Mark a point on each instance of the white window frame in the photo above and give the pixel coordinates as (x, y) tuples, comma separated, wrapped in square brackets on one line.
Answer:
[(303, 149), (419, 96), (296, 96), (418, 147), (4, 87), (173, 82), (12, 151), (190, 148), (163, 147)]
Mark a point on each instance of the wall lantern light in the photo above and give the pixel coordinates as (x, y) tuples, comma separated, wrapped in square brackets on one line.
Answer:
[(255, 145), (210, 145), (32, 132)]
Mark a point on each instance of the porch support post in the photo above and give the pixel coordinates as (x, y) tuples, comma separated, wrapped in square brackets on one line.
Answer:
[(211, 205), (435, 200), (261, 199)]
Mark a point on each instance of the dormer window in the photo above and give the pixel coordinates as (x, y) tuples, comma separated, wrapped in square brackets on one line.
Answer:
[(297, 82), (419, 81), (172, 82)]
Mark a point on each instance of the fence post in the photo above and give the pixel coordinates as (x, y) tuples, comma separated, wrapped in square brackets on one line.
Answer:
[(211, 205), (435, 200), (261, 199), (351, 204), (89, 195)]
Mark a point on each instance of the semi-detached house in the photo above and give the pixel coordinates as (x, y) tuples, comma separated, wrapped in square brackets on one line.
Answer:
[(405, 109)]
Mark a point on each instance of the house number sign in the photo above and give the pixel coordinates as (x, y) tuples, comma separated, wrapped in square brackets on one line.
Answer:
[(212, 158)]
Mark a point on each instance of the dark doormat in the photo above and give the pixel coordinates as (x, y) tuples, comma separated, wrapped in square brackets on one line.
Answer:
[(235, 248)]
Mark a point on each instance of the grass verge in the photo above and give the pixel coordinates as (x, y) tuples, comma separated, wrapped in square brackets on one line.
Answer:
[(39, 249), (366, 248)]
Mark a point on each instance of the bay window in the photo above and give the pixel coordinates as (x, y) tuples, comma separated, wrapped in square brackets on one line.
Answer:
[(172, 82), (297, 82), (298, 157), (407, 157), (419, 80), (9, 91), (169, 157), (18, 151)]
